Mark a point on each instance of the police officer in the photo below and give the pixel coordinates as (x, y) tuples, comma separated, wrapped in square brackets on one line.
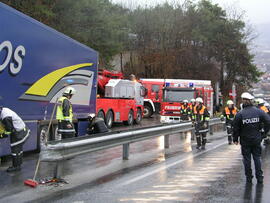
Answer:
[(185, 111), (14, 126), (229, 114), (247, 126), (64, 114), (201, 117)]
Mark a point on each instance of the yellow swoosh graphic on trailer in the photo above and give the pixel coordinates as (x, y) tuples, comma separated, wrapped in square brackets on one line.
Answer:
[(43, 86)]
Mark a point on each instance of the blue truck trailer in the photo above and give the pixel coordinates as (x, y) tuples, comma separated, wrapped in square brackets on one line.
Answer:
[(36, 64)]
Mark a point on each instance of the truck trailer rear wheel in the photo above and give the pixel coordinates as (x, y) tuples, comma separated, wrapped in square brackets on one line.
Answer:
[(130, 118), (138, 116), (109, 119)]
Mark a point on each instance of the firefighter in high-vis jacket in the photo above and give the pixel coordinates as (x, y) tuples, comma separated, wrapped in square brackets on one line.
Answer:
[(201, 117), (229, 113), (260, 104), (185, 111), (13, 126), (64, 114), (191, 108)]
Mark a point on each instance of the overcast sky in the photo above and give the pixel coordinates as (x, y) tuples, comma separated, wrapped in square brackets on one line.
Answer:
[(256, 11)]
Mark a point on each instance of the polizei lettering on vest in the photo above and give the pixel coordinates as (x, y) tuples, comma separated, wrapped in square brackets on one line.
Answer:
[(251, 120)]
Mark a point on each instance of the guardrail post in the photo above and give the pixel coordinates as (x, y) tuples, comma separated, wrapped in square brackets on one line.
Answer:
[(167, 141), (211, 130), (125, 151), (224, 126), (58, 169), (192, 134)]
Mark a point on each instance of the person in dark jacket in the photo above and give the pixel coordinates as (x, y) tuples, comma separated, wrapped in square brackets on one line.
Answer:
[(13, 125), (247, 125)]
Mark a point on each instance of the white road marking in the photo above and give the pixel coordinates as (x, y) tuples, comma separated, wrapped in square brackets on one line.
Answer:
[(170, 165)]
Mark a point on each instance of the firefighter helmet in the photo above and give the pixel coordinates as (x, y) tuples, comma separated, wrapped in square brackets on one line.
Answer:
[(199, 100), (230, 102), (70, 91), (247, 95), (259, 101)]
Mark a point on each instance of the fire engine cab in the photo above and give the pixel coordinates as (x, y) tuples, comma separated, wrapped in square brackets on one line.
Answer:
[(168, 95)]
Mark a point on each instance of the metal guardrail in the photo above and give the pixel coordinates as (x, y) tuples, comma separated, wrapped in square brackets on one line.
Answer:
[(57, 151)]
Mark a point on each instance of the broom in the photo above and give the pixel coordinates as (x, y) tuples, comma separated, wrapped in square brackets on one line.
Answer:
[(32, 182)]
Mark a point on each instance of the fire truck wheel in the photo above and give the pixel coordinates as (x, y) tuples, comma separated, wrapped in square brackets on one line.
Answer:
[(138, 116), (130, 118), (100, 114), (148, 112), (109, 119)]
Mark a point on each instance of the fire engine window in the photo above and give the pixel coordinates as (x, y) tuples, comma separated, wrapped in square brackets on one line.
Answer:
[(155, 88), (178, 96)]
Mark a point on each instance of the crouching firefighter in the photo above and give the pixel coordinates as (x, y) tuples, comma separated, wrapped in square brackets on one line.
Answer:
[(64, 114), (201, 117), (229, 113), (96, 125), (14, 126)]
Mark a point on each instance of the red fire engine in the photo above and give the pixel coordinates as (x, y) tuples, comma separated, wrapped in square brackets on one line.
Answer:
[(119, 100), (168, 94)]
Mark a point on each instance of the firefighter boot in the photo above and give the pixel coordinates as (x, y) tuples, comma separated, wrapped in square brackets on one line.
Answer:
[(203, 142), (198, 138), (229, 139), (16, 164)]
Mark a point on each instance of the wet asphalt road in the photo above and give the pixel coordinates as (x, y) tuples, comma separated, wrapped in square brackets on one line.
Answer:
[(153, 174)]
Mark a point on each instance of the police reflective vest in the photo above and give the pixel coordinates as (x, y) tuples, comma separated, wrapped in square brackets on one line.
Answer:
[(201, 114), (264, 108), (230, 113), (59, 114)]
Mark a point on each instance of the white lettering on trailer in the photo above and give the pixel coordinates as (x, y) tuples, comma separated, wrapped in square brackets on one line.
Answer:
[(16, 61)]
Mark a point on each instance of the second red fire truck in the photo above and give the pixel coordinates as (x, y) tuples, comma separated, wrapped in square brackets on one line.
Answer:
[(168, 95)]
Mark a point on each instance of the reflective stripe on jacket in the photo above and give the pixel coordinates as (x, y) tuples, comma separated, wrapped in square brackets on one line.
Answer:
[(264, 108), (202, 114), (230, 113)]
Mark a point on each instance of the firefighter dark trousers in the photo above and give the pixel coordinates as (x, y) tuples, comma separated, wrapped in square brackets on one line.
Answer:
[(17, 139), (255, 151), (229, 131), (201, 139), (64, 130), (200, 133)]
